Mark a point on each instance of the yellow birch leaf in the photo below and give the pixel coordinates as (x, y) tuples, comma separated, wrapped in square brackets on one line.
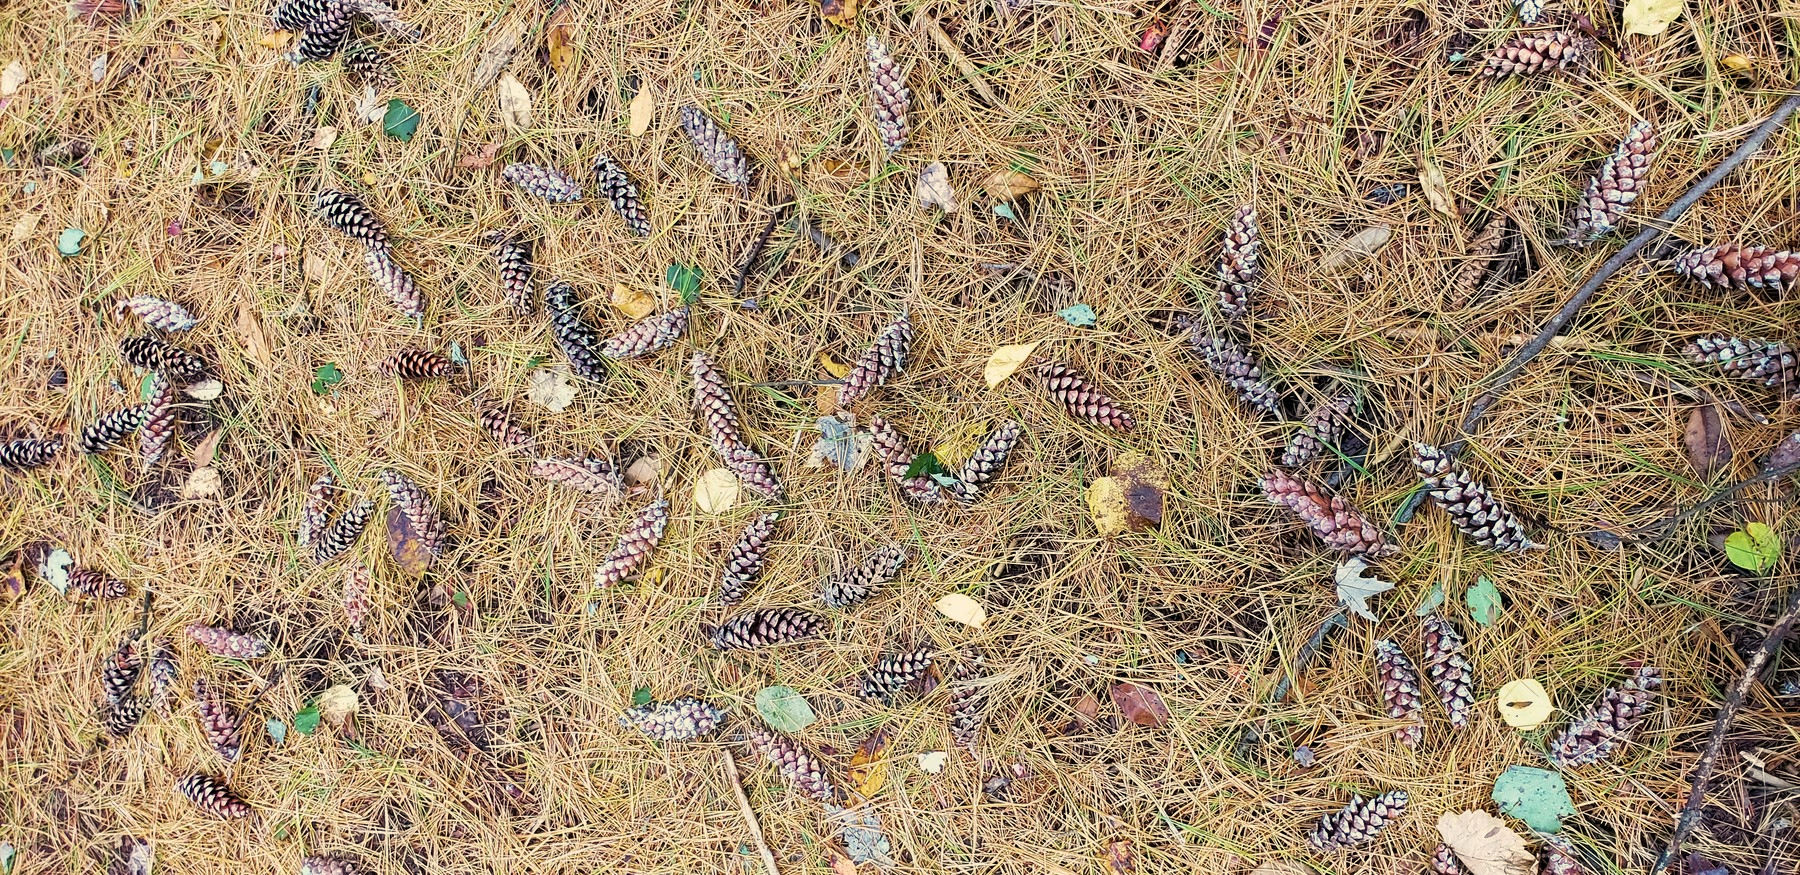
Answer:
[(832, 366), (559, 44), (838, 12), (962, 609), (635, 303), (643, 110), (1107, 507), (277, 40), (869, 765), (716, 491), (1739, 62), (1651, 17), (1006, 360), (1524, 704)]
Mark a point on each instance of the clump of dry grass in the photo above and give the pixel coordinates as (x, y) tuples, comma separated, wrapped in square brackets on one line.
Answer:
[(1141, 163)]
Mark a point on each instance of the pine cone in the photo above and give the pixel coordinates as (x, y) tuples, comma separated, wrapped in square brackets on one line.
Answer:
[(159, 420), (163, 674), (1080, 398), (119, 673), (1472, 508), (543, 182), (158, 313), (622, 193), (348, 215), (331, 865), (505, 432), (512, 261), (719, 418), (1618, 182), (744, 564), (213, 796), (1399, 683), (649, 335), (394, 282), (1530, 12), (323, 36), (343, 534), (1234, 365), (1467, 277), (26, 453), (1360, 821), (152, 353), (1768, 362), (574, 335), (356, 597), (1324, 426), (219, 722), (1444, 861), (683, 719), (226, 643), (717, 149), (1610, 723), (890, 96), (893, 672), (413, 363), (1739, 267), (986, 461), (802, 771), (766, 627), (1240, 262), (87, 583), (368, 65), (384, 17), (884, 358), (589, 474), (891, 448), (636, 545), (419, 510), (1450, 672), (850, 586), (315, 513), (295, 15), (1331, 518), (967, 703), (1560, 859), (1534, 53), (122, 715)]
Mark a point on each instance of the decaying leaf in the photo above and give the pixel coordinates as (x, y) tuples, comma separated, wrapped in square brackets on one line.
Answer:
[(869, 765), (1651, 17), (515, 102), (337, 706), (12, 574), (406, 544), (1140, 704), (840, 443), (635, 303), (1539, 797), (1485, 844), (550, 388), (559, 39), (12, 78), (497, 54), (962, 609), (1708, 446), (1437, 190), (1523, 704), (1106, 506), (860, 829), (642, 111), (1355, 586), (1357, 246), (840, 861), (24, 227), (1006, 361), (1119, 857), (1484, 601), (716, 491), (134, 856), (54, 568), (932, 762), (202, 483), (256, 340), (1141, 486), (784, 709), (480, 158), (839, 12), (1785, 453), (1009, 184), (934, 188)]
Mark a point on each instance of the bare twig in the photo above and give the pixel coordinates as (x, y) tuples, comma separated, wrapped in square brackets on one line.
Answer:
[(754, 254), (737, 788), (961, 61), (1734, 701), (1251, 735), (1661, 528), (1695, 394)]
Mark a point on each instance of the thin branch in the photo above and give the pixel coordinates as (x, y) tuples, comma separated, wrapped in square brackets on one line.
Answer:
[(737, 788), (1661, 528), (960, 61), (1251, 735), (754, 254), (1734, 701)]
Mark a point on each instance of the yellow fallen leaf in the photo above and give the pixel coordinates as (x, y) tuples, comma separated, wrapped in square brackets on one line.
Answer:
[(11, 78), (1485, 844), (869, 765), (1009, 184), (559, 44), (838, 12), (277, 40), (515, 102), (1524, 704), (832, 366), (1650, 17), (370, 179), (1106, 505), (1437, 190), (337, 705), (716, 491), (962, 609), (635, 303), (1006, 360), (960, 443), (25, 227), (643, 110), (1738, 61)]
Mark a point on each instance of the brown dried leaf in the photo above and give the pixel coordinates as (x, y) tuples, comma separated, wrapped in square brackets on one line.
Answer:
[(934, 188), (641, 112), (1120, 859), (406, 544), (1088, 706), (1437, 190), (839, 12), (480, 158), (1708, 445), (1785, 453), (1485, 844), (869, 765), (1140, 705), (207, 449), (313, 265), (256, 340), (559, 39), (1009, 184), (840, 861), (1143, 484), (12, 574)]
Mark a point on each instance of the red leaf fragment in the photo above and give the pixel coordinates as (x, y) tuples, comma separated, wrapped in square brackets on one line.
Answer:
[(1140, 705)]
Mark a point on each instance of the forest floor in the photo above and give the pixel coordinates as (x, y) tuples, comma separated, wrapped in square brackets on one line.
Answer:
[(185, 150)]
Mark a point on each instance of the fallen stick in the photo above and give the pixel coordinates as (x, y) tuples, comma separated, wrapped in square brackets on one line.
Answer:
[(1689, 817), (737, 788), (1652, 232), (961, 61), (1656, 530), (1252, 736)]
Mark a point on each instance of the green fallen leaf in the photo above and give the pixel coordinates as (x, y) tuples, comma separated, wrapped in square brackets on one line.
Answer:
[(326, 377), (640, 697), (277, 730), (69, 244), (1078, 315), (686, 281), (1756, 549), (1433, 600), (784, 709), (400, 121), (307, 721), (924, 465), (1536, 796), (1485, 603), (1005, 211)]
